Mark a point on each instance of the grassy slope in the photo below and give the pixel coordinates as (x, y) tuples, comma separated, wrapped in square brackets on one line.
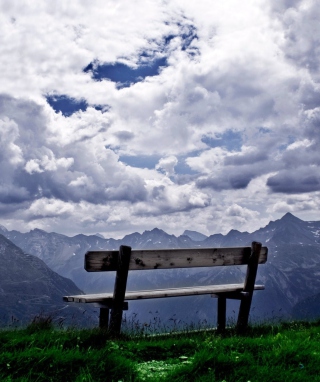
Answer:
[(286, 352)]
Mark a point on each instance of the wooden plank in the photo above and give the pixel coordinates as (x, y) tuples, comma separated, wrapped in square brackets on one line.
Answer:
[(244, 310), (99, 261), (119, 291), (102, 300), (162, 293)]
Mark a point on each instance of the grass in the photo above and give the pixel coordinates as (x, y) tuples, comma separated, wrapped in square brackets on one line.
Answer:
[(283, 352)]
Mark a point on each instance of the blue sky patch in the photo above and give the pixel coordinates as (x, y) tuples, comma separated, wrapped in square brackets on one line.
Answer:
[(149, 64), (231, 140), (122, 74), (66, 105), (102, 108), (183, 168)]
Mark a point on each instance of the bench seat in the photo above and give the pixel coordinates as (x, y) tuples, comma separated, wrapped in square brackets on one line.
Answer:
[(161, 293)]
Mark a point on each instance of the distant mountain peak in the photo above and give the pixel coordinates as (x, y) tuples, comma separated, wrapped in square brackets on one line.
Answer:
[(3, 228), (194, 235), (38, 230), (233, 232), (290, 217), (156, 230)]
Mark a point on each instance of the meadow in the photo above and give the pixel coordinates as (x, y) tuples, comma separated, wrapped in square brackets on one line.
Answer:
[(288, 351)]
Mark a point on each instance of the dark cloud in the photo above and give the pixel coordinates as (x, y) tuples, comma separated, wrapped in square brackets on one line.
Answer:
[(310, 96), (301, 156), (140, 161), (226, 180), (132, 190), (124, 135), (158, 193), (12, 194), (311, 122), (26, 114), (246, 158), (282, 5), (295, 181)]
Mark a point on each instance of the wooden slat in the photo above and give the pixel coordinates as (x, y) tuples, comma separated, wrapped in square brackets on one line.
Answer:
[(101, 302), (98, 261), (161, 293), (119, 291)]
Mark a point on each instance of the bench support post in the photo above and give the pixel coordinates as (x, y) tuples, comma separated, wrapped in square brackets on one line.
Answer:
[(119, 289), (245, 304), (221, 321), (104, 318)]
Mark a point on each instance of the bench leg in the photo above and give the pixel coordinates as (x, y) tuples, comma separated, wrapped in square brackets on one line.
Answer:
[(221, 319), (119, 290), (104, 318), (244, 311), (245, 304)]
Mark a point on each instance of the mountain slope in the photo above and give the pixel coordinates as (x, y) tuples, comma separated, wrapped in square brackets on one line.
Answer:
[(29, 287)]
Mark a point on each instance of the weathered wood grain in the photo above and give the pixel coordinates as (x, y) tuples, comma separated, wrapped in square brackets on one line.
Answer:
[(162, 293), (100, 261)]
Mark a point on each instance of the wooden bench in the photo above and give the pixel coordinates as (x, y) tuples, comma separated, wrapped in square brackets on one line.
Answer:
[(126, 259)]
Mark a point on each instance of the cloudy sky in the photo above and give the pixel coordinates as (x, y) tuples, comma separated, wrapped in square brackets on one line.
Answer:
[(119, 116)]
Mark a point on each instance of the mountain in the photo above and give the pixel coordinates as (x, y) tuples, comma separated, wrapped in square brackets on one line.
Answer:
[(28, 287), (290, 275), (194, 235)]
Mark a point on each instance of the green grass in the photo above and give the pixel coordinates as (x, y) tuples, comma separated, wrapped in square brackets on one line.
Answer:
[(283, 352)]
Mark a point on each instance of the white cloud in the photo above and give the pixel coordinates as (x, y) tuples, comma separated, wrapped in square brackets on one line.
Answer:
[(251, 68), (302, 144), (44, 208), (242, 212), (48, 162), (9, 132), (167, 165)]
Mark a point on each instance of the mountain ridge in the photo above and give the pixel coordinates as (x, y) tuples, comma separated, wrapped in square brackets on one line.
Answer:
[(289, 274)]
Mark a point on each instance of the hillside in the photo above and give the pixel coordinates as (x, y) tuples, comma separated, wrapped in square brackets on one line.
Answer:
[(28, 287), (287, 352)]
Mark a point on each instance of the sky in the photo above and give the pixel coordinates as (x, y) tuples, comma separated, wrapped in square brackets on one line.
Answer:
[(119, 116)]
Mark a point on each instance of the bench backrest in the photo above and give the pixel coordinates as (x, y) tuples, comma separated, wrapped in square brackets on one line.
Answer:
[(99, 261)]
